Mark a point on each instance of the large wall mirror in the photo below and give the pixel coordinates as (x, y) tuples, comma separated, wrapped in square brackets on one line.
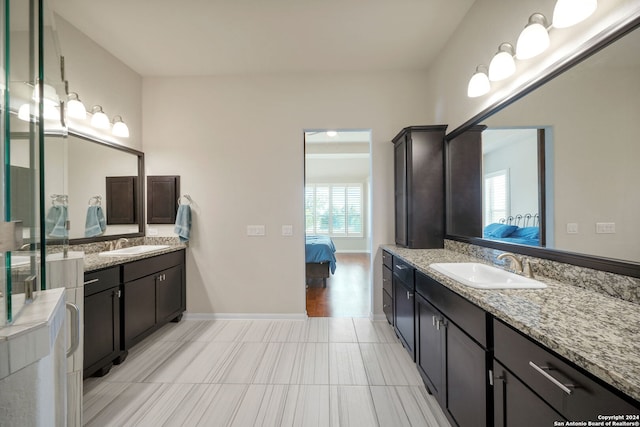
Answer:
[(582, 182), (90, 165)]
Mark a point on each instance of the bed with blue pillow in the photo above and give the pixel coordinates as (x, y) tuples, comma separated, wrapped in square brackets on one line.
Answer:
[(320, 258), (515, 230)]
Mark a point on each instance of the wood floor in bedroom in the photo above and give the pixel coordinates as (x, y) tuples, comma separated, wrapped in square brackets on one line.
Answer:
[(315, 372), (348, 291)]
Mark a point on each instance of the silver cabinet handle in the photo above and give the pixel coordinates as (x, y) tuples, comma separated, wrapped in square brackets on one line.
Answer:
[(88, 282), (433, 320), (542, 370), (401, 267), (409, 294), (75, 328)]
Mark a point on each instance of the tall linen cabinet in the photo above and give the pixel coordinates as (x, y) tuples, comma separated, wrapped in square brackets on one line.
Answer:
[(419, 186)]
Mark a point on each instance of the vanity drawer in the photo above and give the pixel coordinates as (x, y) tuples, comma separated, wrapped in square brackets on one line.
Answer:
[(98, 281), (469, 317), (387, 259), (387, 280), (403, 272), (147, 266), (387, 306), (547, 375)]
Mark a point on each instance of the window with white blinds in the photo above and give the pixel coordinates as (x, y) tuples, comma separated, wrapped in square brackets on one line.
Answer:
[(496, 196), (333, 209)]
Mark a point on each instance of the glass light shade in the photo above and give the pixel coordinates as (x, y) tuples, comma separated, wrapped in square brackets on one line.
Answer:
[(332, 133), (567, 13), (50, 112), (50, 95), (76, 109), (120, 129), (100, 119), (502, 65), (534, 39), (24, 112), (478, 85)]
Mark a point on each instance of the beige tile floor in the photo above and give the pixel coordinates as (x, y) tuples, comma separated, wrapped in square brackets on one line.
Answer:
[(314, 372)]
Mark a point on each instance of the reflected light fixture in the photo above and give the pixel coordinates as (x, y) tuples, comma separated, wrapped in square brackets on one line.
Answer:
[(502, 65), (99, 119), (24, 112), (75, 107), (120, 128), (534, 39), (567, 13), (332, 133), (50, 95), (479, 83)]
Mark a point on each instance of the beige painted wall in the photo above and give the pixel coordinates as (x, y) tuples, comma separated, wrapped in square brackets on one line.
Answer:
[(237, 143)]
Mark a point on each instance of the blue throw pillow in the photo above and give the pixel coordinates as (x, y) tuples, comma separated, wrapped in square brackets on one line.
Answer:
[(527, 233), (499, 230)]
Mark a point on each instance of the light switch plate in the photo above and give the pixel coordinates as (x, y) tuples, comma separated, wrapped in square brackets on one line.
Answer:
[(572, 228), (605, 227), (255, 230), (287, 230)]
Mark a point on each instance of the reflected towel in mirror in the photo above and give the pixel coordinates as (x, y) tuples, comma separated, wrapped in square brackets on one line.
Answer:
[(183, 222), (95, 224), (55, 221)]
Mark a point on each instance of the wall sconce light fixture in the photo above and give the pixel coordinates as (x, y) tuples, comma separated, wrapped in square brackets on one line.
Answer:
[(502, 65), (568, 13), (99, 119), (534, 39), (479, 83), (75, 107), (120, 128)]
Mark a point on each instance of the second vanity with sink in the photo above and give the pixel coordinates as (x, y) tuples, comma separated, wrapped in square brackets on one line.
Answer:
[(130, 292), (510, 356)]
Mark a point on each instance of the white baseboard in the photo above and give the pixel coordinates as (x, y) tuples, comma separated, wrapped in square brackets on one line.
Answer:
[(245, 316), (352, 251), (378, 317)]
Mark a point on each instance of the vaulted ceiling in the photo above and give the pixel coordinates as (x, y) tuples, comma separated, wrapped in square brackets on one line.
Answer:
[(211, 37)]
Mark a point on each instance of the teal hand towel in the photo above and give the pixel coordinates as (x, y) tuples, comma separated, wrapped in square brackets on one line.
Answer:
[(183, 223), (55, 222), (95, 224)]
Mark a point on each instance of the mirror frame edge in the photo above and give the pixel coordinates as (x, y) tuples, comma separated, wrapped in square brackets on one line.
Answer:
[(627, 268), (140, 188)]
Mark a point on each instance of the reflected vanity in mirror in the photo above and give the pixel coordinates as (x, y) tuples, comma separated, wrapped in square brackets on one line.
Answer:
[(585, 154), (101, 176)]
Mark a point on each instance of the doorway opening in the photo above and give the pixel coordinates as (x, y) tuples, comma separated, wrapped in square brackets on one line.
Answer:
[(338, 222)]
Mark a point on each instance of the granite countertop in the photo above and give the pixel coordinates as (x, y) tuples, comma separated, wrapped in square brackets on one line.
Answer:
[(93, 261), (597, 332)]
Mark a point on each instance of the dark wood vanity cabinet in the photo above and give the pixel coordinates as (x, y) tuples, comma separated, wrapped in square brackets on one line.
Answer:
[(153, 294), (101, 321), (527, 375), (387, 286), (419, 186), (452, 352), (403, 304)]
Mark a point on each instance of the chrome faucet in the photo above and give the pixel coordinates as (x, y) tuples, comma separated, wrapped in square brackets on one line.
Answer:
[(120, 241), (520, 265)]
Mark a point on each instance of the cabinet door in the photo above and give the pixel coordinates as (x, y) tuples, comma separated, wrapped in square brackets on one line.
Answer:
[(403, 301), (517, 406), (400, 170), (101, 329), (430, 348), (467, 379), (139, 309), (169, 294)]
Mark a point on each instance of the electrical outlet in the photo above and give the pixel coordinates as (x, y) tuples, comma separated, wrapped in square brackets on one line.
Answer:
[(152, 231), (572, 228), (605, 227)]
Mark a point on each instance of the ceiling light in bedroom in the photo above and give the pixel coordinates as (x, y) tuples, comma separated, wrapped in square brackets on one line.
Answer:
[(332, 133), (567, 13), (534, 39), (502, 65), (479, 83)]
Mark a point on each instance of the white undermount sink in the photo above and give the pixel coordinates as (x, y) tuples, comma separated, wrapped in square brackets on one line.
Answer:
[(134, 250), (482, 276)]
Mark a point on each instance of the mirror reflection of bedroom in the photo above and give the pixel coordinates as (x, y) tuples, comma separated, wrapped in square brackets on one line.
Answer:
[(337, 232)]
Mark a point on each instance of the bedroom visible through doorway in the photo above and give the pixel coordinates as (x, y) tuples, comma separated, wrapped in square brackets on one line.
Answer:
[(337, 222)]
